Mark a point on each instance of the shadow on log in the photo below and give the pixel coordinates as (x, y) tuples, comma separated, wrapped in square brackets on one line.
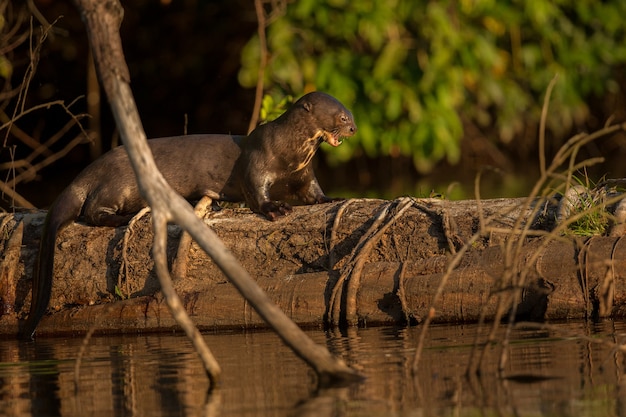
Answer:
[(294, 261)]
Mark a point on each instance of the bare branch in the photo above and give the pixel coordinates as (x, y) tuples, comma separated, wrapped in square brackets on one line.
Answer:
[(102, 19)]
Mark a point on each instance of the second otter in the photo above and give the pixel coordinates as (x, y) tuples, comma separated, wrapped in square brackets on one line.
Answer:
[(263, 169)]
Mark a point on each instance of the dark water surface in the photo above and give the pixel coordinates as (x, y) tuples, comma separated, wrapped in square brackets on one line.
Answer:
[(548, 373)]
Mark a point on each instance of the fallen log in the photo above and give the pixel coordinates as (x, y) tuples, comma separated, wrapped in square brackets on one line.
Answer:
[(104, 276)]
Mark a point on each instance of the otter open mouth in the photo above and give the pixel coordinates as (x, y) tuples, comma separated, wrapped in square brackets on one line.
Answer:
[(333, 139)]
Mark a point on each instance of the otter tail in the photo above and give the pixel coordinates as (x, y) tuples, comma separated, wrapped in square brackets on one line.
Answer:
[(65, 209)]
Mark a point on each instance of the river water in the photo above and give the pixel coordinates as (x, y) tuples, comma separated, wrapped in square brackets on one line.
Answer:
[(572, 369)]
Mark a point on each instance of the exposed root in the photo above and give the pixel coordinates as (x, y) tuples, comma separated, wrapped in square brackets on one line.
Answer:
[(355, 276), (333, 233), (351, 271), (334, 304), (401, 293), (123, 271), (449, 231)]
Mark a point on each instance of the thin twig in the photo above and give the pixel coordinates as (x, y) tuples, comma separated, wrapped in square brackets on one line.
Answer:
[(542, 125), (258, 95)]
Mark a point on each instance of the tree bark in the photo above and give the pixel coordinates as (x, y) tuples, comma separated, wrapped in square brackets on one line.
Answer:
[(296, 263)]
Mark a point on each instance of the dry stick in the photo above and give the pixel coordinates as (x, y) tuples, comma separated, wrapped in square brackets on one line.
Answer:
[(278, 8), (30, 172), (8, 124), (6, 47), (544, 174), (102, 19), (451, 266), (334, 305), (15, 197), (542, 125), (42, 20), (512, 252), (44, 106), (258, 95), (482, 230), (22, 136), (502, 302), (355, 276), (159, 222), (503, 283), (7, 95), (45, 147), (431, 311), (28, 76), (563, 153), (568, 151)]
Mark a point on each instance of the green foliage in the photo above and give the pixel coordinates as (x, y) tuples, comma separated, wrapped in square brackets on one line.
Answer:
[(415, 71), (271, 108)]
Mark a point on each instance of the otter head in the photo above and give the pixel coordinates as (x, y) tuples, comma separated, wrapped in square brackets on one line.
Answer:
[(331, 119)]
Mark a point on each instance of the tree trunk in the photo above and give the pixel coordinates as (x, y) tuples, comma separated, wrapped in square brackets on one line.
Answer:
[(100, 282)]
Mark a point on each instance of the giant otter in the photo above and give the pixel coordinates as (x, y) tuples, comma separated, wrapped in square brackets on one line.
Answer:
[(270, 165)]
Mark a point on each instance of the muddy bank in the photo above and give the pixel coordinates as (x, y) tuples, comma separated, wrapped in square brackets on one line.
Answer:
[(322, 263)]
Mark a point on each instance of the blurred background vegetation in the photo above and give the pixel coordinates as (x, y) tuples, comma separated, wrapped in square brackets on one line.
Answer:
[(439, 89)]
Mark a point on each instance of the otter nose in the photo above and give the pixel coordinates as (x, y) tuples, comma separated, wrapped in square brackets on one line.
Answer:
[(353, 129)]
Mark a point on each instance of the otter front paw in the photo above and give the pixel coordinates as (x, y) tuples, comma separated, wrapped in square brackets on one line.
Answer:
[(275, 209)]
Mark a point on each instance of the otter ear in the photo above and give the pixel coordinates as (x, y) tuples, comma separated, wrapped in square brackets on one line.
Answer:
[(307, 106)]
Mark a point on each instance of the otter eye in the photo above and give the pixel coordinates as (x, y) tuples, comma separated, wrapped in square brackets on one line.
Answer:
[(344, 118)]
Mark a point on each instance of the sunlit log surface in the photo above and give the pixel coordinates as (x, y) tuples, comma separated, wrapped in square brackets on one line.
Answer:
[(298, 260)]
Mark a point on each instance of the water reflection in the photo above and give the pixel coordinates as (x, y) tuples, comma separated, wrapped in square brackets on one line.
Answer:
[(159, 375)]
